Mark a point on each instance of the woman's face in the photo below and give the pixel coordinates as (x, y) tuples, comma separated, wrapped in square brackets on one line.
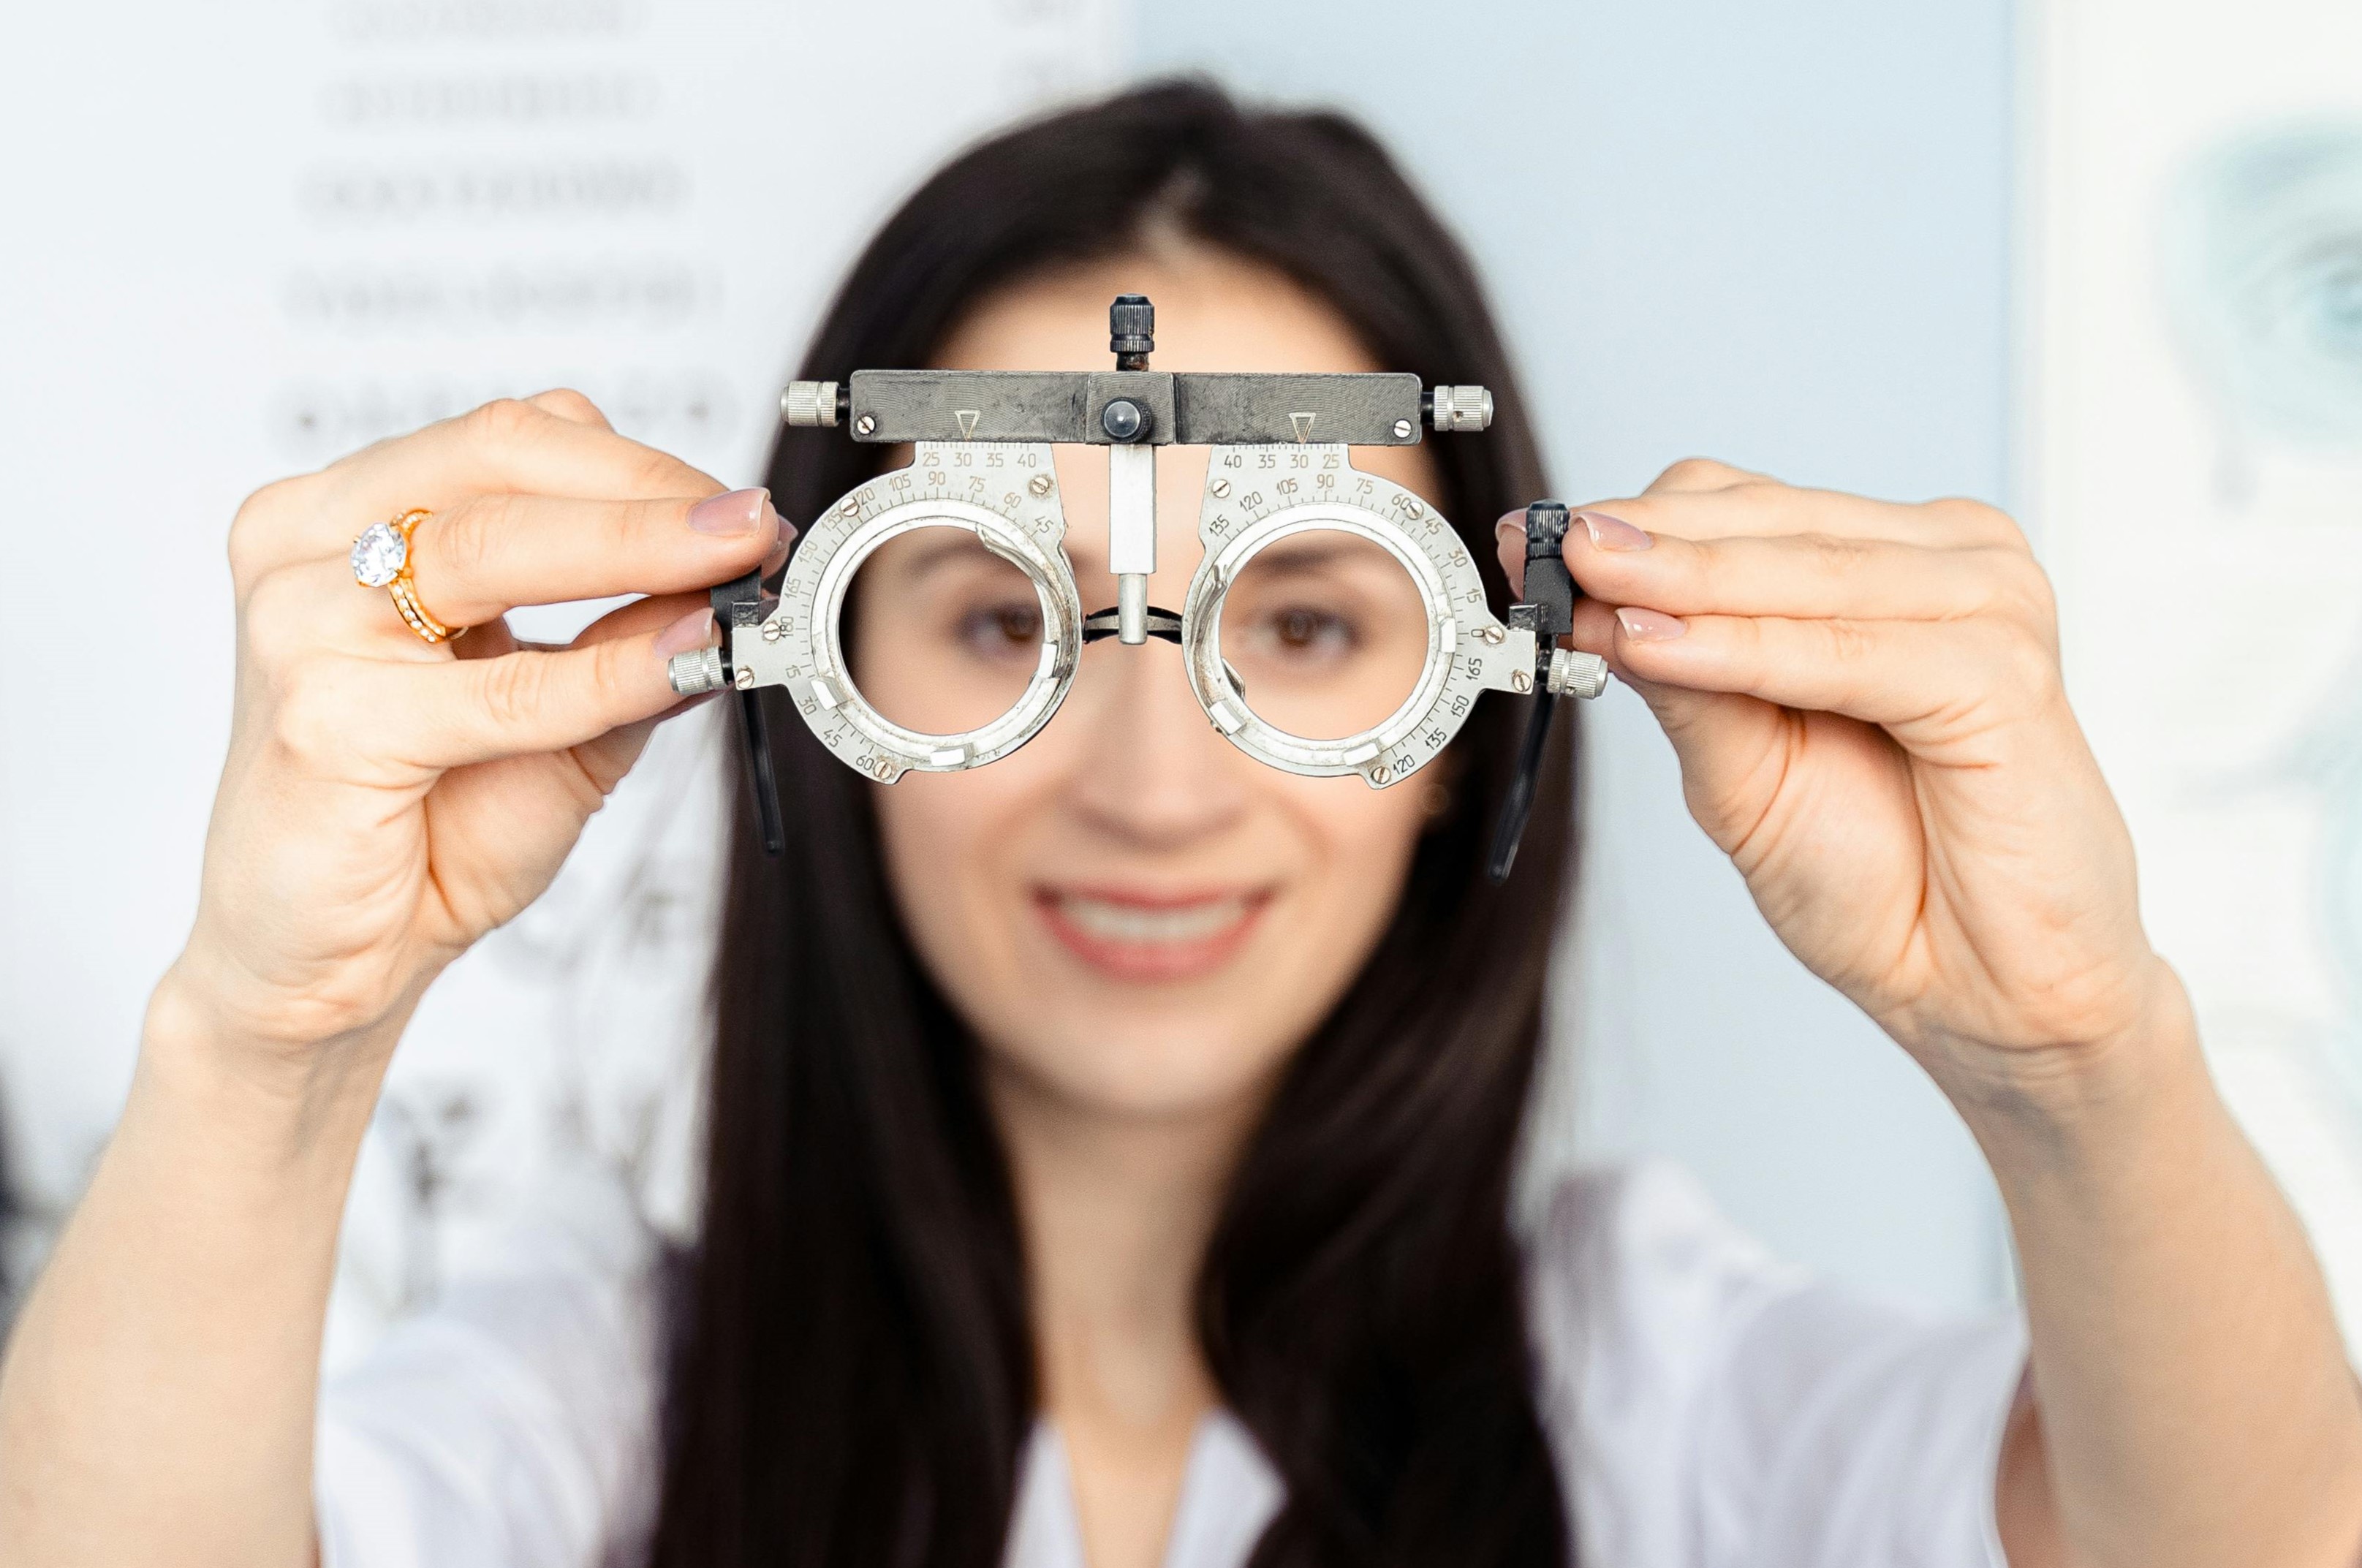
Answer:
[(1135, 916)]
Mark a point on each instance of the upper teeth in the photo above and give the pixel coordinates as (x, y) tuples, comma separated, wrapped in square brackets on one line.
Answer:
[(1133, 922)]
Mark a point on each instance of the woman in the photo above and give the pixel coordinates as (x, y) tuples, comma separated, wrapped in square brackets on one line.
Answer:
[(1109, 1148)]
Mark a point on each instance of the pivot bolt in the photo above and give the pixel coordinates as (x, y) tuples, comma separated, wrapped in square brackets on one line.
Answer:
[(865, 425), (1124, 419), (1039, 484)]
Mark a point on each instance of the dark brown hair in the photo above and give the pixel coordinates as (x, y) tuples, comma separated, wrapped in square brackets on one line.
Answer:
[(854, 1377)]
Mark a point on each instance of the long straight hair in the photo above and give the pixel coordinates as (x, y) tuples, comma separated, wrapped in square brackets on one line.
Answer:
[(853, 1378)]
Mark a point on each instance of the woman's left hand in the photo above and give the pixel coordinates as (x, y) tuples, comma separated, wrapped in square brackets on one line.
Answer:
[(1867, 705)]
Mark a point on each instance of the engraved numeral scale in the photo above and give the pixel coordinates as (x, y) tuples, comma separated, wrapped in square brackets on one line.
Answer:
[(1280, 466)]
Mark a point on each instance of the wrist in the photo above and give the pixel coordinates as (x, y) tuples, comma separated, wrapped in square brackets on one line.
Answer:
[(2146, 1060), (277, 1085)]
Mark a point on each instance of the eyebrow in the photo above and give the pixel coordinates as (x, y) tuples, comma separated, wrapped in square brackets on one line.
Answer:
[(1303, 555), (958, 545)]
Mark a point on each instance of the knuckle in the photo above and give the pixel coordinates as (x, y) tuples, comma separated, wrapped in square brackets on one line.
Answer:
[(568, 404), (460, 541), (1850, 642), (1698, 473), (1975, 520), (503, 422), (652, 472), (258, 527), (311, 721), (2026, 594), (2023, 663), (512, 689), (1837, 554), (277, 620)]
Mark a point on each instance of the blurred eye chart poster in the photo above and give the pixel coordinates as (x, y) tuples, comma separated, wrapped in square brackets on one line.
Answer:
[(2192, 448), (248, 238)]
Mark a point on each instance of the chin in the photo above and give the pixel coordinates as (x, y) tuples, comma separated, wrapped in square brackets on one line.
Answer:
[(1122, 1064)]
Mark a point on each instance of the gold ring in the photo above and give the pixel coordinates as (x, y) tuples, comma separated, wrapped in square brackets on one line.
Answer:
[(381, 560)]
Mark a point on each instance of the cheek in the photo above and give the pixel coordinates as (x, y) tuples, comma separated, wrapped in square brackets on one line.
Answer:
[(944, 838), (1363, 842)]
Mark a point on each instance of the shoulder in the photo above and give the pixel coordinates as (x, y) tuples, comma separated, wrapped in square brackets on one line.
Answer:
[(1638, 1291), (1704, 1398)]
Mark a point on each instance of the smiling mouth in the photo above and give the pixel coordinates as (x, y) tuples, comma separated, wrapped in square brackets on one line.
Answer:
[(1130, 936)]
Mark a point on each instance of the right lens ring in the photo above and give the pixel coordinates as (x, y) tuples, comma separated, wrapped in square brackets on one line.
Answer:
[(799, 645)]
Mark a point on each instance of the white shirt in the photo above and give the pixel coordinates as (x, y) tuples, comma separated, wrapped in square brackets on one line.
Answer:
[(1707, 1407)]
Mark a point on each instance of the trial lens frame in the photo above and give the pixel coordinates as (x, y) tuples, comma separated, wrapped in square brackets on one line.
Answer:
[(1280, 467)]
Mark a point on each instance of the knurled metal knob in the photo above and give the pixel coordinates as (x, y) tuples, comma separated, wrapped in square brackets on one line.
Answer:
[(1461, 408), (1574, 674), (809, 403), (1131, 331), (696, 672)]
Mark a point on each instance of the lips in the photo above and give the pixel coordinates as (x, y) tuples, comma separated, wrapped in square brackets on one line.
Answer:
[(1146, 938)]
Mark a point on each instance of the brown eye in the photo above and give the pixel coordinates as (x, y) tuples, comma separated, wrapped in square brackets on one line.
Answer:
[(1002, 631), (1304, 629)]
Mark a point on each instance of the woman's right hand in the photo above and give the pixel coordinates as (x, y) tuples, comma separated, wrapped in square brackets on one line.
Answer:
[(387, 802)]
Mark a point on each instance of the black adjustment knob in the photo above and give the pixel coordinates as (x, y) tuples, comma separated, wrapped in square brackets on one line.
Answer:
[(1131, 331), (1548, 586)]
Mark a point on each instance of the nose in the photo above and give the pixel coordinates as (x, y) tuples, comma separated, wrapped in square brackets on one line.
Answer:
[(1154, 775)]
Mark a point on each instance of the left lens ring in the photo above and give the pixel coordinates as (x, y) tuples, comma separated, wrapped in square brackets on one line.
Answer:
[(1012, 514), (1468, 651)]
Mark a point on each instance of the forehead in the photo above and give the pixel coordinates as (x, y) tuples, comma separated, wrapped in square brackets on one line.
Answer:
[(1215, 311)]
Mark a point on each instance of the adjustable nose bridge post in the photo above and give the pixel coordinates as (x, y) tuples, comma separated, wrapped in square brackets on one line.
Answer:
[(1132, 471)]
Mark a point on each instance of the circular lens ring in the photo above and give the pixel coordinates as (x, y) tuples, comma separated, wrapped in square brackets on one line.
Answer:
[(1062, 616), (1467, 650), (799, 647)]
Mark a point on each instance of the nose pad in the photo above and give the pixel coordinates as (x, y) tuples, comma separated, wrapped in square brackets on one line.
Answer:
[(1109, 623)]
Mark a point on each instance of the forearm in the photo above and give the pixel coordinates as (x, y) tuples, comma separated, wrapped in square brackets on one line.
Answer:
[(2195, 1405), (157, 1401)]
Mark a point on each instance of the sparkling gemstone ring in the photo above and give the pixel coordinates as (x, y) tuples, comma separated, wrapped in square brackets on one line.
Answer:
[(381, 560)]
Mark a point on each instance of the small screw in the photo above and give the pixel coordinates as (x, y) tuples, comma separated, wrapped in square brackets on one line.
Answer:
[(773, 631), (1222, 488), (743, 680), (865, 425), (1039, 484), (1402, 429), (1520, 682), (852, 506), (1491, 634), (1380, 774)]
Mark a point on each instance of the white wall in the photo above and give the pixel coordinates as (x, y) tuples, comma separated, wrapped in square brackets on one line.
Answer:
[(1773, 234)]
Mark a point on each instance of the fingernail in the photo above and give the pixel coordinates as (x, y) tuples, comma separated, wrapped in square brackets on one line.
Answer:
[(1613, 533), (1512, 519), (690, 631), (733, 512), (1647, 625)]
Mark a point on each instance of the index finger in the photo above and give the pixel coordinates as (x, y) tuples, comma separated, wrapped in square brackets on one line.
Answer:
[(1765, 509), (509, 447)]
